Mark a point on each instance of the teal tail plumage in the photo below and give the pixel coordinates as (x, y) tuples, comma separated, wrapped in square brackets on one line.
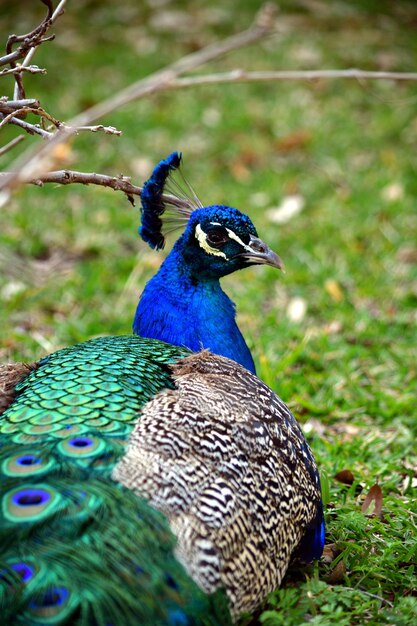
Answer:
[(76, 547)]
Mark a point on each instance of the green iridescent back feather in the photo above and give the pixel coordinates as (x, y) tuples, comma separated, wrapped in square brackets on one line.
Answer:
[(76, 547)]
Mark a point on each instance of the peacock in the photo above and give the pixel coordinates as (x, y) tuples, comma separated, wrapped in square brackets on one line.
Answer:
[(153, 479)]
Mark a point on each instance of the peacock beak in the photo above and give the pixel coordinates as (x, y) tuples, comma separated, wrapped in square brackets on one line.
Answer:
[(257, 252)]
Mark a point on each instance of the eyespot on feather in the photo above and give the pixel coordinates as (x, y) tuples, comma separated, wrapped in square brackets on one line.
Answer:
[(28, 464), (30, 503)]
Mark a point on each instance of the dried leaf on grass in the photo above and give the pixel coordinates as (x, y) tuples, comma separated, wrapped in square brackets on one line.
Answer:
[(297, 140), (330, 552), (373, 497), (345, 477), (337, 575)]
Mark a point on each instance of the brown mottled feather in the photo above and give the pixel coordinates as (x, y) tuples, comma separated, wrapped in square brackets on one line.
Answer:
[(223, 458), (10, 375)]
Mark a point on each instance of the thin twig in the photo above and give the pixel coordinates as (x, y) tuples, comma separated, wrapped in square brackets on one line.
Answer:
[(118, 183), (31, 69), (11, 106), (67, 177), (11, 144), (160, 79), (270, 76), (373, 595), (32, 129), (34, 38), (108, 130), (38, 111)]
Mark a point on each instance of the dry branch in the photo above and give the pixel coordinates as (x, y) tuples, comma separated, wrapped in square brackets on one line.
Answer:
[(108, 130), (37, 110), (36, 162), (236, 76), (12, 111), (117, 183), (31, 69), (33, 165), (51, 18), (11, 144), (31, 129), (27, 41), (9, 106)]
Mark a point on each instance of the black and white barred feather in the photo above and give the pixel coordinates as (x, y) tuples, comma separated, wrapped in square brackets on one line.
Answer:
[(224, 459)]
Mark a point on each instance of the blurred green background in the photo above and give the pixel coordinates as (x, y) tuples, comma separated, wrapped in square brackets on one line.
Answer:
[(326, 170)]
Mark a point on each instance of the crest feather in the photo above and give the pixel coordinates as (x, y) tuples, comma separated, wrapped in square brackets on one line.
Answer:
[(160, 212)]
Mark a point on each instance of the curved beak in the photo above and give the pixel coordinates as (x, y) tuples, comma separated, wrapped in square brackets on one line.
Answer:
[(258, 253)]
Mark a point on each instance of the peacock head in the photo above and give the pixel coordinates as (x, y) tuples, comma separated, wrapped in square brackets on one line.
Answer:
[(217, 240)]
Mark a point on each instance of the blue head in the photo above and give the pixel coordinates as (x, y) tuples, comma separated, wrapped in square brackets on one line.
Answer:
[(219, 240), (184, 304)]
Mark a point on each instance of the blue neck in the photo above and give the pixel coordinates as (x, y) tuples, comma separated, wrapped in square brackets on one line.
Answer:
[(177, 308)]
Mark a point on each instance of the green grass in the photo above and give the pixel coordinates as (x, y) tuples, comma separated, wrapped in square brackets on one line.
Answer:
[(72, 266)]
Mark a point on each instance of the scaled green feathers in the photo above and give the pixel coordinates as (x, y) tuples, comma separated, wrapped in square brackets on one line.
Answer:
[(76, 547)]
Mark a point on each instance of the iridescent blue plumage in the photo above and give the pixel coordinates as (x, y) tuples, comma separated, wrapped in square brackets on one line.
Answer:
[(183, 304), (312, 544)]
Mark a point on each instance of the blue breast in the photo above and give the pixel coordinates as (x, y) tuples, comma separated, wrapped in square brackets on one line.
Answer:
[(196, 315)]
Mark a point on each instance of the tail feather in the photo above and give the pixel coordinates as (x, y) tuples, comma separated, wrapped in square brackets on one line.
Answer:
[(77, 547), (80, 549)]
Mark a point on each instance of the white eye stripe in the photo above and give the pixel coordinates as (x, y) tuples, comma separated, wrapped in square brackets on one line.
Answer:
[(201, 237), (232, 235)]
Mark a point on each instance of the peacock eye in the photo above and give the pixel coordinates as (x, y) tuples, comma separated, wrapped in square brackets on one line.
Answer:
[(217, 236)]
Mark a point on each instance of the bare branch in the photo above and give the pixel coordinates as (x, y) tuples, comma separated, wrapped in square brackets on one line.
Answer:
[(38, 111), (11, 110), (30, 69), (32, 129), (158, 81), (34, 38), (11, 106), (67, 177), (37, 161), (11, 144), (108, 130), (269, 76), (28, 44), (117, 183)]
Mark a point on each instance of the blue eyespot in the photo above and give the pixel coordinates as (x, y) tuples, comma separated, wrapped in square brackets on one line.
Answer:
[(23, 570), (28, 459), (80, 442), (55, 596), (30, 497)]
